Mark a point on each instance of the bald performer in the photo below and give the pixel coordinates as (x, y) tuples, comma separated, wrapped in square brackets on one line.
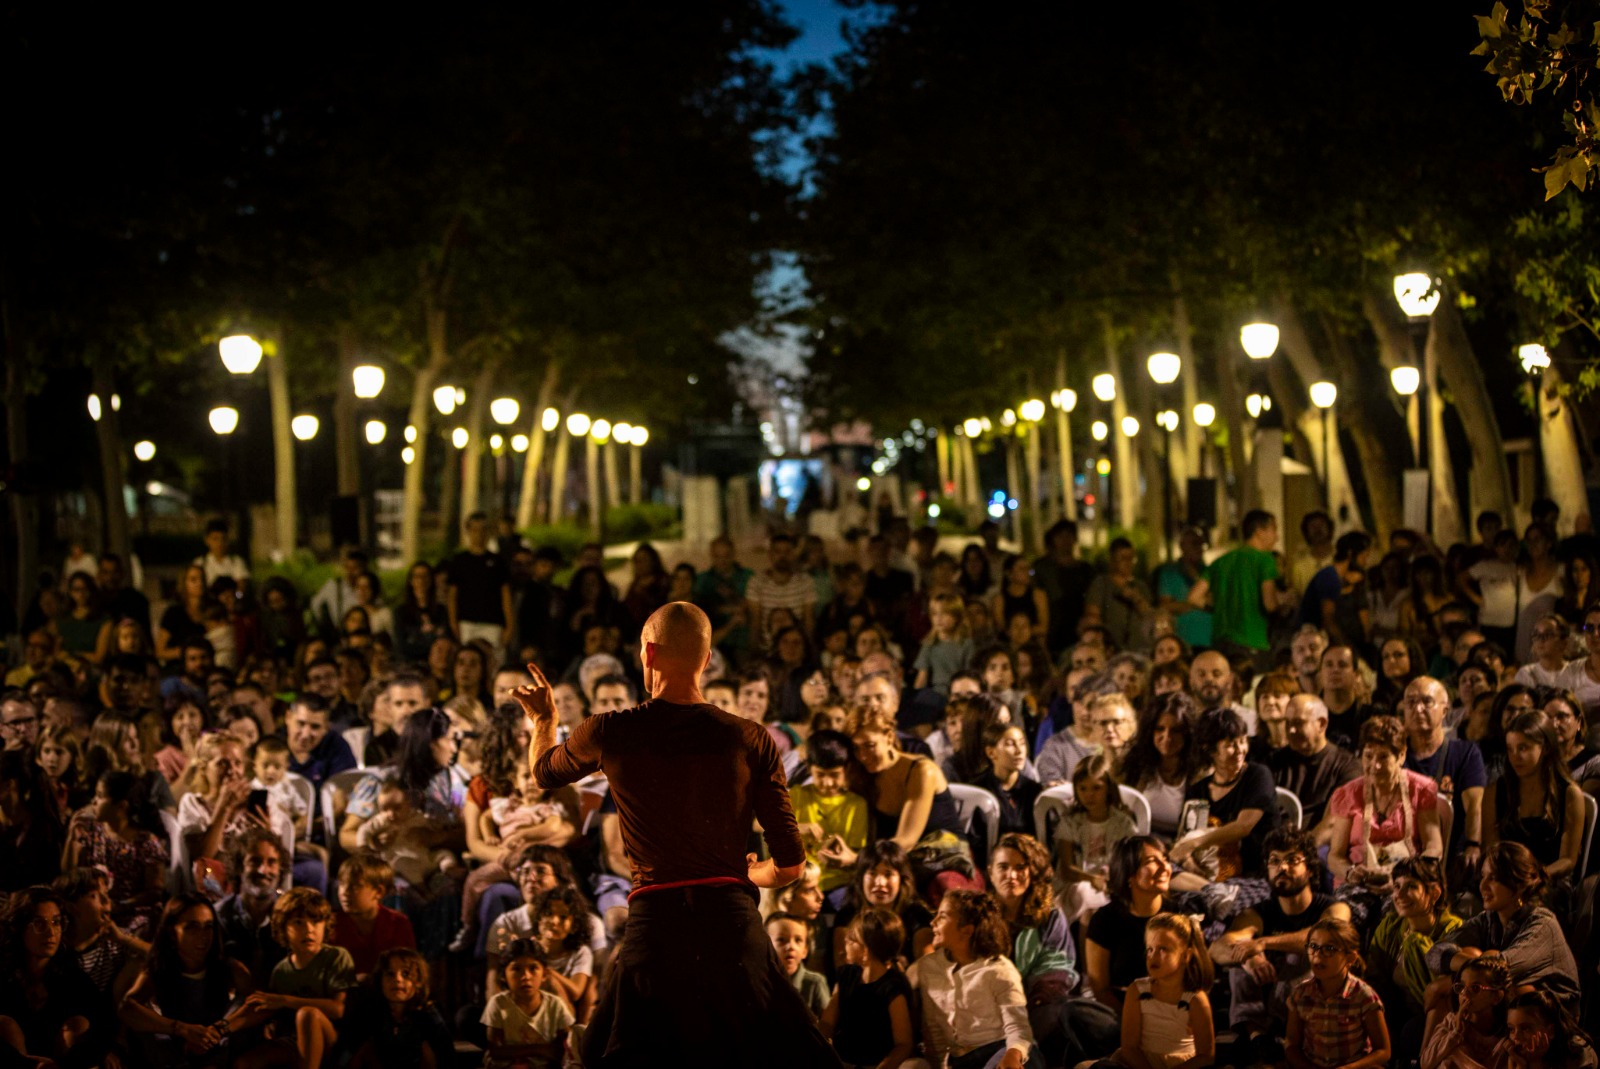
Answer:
[(695, 980)]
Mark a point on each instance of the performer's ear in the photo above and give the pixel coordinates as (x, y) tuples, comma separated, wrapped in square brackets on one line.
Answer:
[(648, 654)]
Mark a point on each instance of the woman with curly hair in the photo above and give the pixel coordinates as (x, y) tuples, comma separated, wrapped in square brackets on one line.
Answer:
[(1041, 939), (1164, 759), (972, 995), (42, 995)]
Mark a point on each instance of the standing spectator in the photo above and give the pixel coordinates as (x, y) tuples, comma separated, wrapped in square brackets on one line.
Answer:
[(121, 601), (781, 586), (420, 619), (217, 562), (647, 590), (338, 595), (185, 618), (1243, 587), (1018, 596), (1173, 581), (1420, 612), (1316, 527), (1539, 586), (1335, 598), (480, 590), (1492, 586), (890, 585), (538, 604), (1119, 602), (1065, 581), (84, 627)]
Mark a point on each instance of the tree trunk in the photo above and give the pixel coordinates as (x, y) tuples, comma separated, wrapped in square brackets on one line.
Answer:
[(472, 455), (108, 432), (1490, 482), (347, 458), (285, 495), (527, 503), (613, 474), (1447, 528), (1563, 458), (560, 463), (1295, 344), (1069, 475), (435, 323), (1125, 476), (1230, 410), (1190, 378)]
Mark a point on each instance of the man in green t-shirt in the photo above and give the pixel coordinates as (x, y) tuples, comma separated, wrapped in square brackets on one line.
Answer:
[(1242, 585)]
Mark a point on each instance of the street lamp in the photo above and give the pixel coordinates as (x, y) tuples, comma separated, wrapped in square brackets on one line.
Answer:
[(1417, 294), (1031, 410), (578, 424), (1104, 386), (459, 437), (1098, 430), (519, 443), (1405, 380), (367, 380), (973, 427), (410, 433), (1260, 340), (623, 433), (1205, 414), (1257, 403), (601, 430), (377, 430), (241, 354), (1065, 400), (224, 419), (1164, 367), (1535, 359), (504, 410), (1130, 426), (304, 428), (407, 455), (641, 435), (444, 399), (95, 411), (1323, 395), (1008, 418), (144, 451), (496, 442)]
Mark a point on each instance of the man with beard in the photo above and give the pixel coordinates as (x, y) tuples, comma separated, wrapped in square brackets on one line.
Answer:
[(198, 659), (255, 867), (1311, 766), (1264, 948), (1339, 682), (1305, 655), (1211, 683)]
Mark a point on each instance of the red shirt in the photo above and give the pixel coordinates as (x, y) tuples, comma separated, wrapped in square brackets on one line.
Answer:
[(391, 929)]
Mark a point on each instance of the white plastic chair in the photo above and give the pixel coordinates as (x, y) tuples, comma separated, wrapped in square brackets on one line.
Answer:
[(1289, 807), (179, 878), (1054, 801), (971, 801), (1591, 811), (302, 786), (340, 781), (356, 739)]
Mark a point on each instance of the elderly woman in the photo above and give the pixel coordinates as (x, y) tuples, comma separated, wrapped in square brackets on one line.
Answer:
[(1272, 711), (216, 809), (1381, 817)]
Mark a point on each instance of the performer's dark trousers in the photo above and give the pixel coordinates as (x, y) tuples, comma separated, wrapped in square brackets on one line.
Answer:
[(696, 982)]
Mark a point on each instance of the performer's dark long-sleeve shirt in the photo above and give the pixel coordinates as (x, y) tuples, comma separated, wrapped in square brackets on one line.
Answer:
[(687, 781)]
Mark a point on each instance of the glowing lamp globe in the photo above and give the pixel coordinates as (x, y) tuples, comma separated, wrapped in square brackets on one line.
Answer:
[(1254, 405), (305, 428), (600, 430), (1164, 367), (550, 420), (504, 410), (1205, 414), (1533, 357), (1260, 340), (1008, 418), (973, 428), (407, 455), (1130, 426), (144, 451), (1324, 394), (1032, 410), (519, 443), (224, 419), (1167, 420), (444, 399), (1104, 386), (578, 424), (1099, 430), (241, 354), (1405, 380), (1066, 400), (459, 437), (623, 433), (376, 430), (1417, 294), (367, 381), (640, 436)]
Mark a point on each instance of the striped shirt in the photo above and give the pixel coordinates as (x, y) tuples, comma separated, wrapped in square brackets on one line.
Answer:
[(1335, 1025)]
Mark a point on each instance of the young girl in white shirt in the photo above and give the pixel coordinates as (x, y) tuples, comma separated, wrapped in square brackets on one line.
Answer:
[(1088, 834), (1166, 1016)]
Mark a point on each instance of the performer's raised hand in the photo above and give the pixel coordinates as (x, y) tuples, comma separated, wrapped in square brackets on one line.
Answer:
[(537, 698)]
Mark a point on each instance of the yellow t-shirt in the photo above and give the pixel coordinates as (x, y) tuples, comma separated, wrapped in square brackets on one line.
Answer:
[(844, 815)]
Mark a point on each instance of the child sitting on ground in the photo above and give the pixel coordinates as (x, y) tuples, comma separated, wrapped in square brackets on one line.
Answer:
[(526, 1026), (869, 1016), (306, 992), (399, 834), (395, 1024), (829, 814), (1336, 1020), (364, 925), (560, 917), (1088, 835), (1167, 1014), (791, 939), (270, 759), (1466, 1037)]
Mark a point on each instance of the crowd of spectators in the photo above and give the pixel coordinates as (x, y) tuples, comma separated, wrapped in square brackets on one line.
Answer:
[(1314, 811)]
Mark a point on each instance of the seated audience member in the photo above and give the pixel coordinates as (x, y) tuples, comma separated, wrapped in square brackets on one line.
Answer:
[(1454, 765), (1551, 637), (541, 869), (1140, 887), (180, 1009), (1535, 802), (1466, 1037), (363, 925), (315, 753), (908, 797), (1163, 759), (1398, 955), (829, 814), (110, 957), (1240, 803), (1344, 692), (1336, 1020), (1166, 1018), (948, 648), (33, 831), (868, 1017), (883, 880), (270, 764), (217, 809), (1112, 719), (972, 997), (1087, 837), (1543, 1034), (791, 941), (255, 867), (1071, 742), (1005, 748), (976, 714), (1513, 923), (46, 1004), (1310, 766), (561, 919), (393, 1023), (1264, 948), (1273, 693), (1215, 687), (1583, 760), (526, 1025), (1380, 818), (121, 834), (308, 988)]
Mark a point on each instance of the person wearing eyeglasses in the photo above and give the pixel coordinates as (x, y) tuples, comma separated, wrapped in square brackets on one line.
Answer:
[(1550, 638), (1455, 765), (19, 720), (1583, 760), (1582, 676), (44, 995)]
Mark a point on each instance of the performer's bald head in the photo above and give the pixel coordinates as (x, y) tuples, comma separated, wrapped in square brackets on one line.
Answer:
[(677, 639)]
